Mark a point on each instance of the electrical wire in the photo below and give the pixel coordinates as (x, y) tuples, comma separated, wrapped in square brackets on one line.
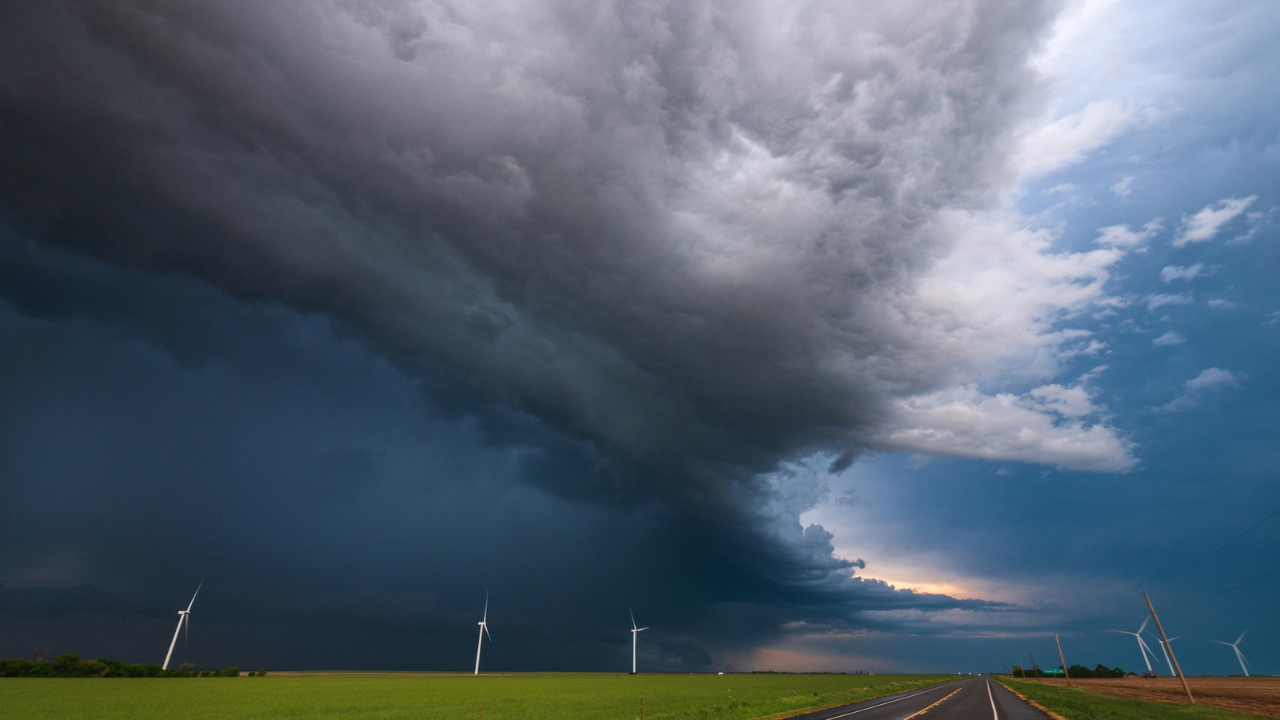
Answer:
[(1215, 552), (1224, 592)]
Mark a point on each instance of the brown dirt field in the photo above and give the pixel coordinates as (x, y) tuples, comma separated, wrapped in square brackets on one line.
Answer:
[(1255, 695)]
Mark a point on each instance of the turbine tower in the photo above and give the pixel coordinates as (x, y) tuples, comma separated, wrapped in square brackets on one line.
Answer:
[(1142, 644), (1236, 646), (1165, 650), (635, 634), (484, 630), (184, 616)]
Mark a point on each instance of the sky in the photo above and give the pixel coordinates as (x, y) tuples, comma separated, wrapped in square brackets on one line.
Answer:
[(822, 335)]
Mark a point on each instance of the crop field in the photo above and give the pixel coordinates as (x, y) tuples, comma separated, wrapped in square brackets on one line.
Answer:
[(1255, 695), (550, 696)]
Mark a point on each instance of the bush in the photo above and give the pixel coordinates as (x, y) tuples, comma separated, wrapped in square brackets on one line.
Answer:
[(262, 672)]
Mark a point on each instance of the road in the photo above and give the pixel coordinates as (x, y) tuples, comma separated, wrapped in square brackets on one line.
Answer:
[(978, 698)]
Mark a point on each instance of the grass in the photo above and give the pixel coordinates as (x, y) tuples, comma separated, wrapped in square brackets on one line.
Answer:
[(1077, 704), (558, 696)]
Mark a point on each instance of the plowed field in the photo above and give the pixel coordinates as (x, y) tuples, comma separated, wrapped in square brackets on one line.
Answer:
[(1257, 695)]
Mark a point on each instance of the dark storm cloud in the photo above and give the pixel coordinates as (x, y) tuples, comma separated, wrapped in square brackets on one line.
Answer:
[(649, 250)]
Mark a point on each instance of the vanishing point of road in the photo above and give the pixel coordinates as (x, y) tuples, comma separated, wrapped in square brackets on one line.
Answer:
[(978, 698)]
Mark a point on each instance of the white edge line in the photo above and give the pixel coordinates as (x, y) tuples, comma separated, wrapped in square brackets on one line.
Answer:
[(992, 698), (904, 697)]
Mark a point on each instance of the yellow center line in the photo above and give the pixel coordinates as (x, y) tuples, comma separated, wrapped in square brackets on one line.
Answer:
[(953, 692)]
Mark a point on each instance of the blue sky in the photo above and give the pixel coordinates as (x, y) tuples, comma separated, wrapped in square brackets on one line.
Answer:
[(1200, 140), (824, 337)]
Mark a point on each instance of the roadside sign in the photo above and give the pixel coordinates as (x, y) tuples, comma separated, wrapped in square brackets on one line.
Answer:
[(1052, 672)]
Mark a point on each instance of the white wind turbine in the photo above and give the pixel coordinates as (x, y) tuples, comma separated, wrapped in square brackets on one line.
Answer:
[(635, 634), (484, 630), (1142, 644), (1236, 646), (184, 616), (1165, 650)]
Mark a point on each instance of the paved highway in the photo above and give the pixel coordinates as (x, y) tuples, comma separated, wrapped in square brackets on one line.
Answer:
[(978, 698)]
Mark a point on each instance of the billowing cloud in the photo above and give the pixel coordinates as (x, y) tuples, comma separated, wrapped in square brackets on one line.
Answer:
[(1045, 426), (655, 250), (1171, 337), (1206, 224)]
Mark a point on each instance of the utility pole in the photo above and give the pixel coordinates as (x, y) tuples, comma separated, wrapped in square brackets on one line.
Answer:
[(1034, 670), (1169, 647), (1065, 674)]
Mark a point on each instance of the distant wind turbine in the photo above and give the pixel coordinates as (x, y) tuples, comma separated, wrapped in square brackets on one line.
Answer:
[(184, 616), (635, 634), (1165, 650), (1236, 646), (1142, 644), (484, 630)]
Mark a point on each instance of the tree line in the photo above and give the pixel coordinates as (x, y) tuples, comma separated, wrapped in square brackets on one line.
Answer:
[(1075, 671), (69, 665)]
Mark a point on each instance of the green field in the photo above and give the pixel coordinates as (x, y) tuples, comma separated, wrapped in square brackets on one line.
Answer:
[(551, 696), (1076, 704)]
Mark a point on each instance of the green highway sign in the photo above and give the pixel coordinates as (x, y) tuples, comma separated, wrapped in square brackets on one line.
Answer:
[(1051, 672)]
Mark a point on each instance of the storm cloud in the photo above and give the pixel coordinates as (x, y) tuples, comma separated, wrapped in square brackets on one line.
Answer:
[(636, 256)]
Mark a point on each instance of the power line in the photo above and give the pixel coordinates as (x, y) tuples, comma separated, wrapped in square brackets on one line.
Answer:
[(1229, 543), (1215, 552), (1224, 592)]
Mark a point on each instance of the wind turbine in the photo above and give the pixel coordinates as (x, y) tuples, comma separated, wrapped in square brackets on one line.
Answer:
[(184, 616), (1165, 650), (1142, 644), (1236, 646), (635, 634), (484, 630)]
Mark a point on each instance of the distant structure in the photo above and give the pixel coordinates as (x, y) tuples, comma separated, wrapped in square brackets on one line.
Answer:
[(484, 630), (635, 634), (184, 617), (1239, 655), (1165, 650), (1142, 644)]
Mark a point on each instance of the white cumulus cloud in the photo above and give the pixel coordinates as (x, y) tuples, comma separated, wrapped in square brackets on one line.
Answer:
[(1208, 381), (1044, 426), (1070, 139), (1122, 237), (1172, 337), (1159, 300), (1178, 272), (1206, 224)]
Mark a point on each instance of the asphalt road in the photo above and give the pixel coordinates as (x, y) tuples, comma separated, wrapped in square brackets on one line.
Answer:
[(977, 698)]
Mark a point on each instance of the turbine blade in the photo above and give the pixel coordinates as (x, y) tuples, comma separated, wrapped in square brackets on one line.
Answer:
[(1237, 642), (186, 629), (633, 618), (486, 631), (641, 629), (193, 595), (1219, 642), (1144, 624), (486, 606)]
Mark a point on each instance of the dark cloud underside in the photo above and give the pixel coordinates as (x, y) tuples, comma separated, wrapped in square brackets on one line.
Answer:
[(305, 289)]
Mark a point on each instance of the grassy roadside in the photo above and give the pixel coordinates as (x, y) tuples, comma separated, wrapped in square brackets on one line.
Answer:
[(1077, 704), (549, 696)]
